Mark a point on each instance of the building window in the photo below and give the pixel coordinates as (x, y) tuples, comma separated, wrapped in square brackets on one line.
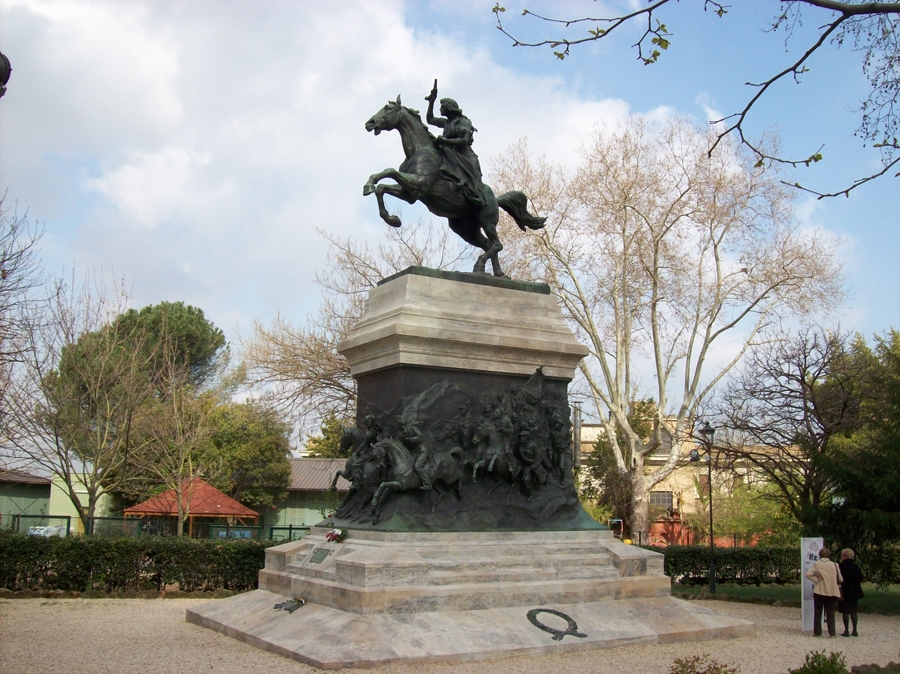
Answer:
[(662, 499)]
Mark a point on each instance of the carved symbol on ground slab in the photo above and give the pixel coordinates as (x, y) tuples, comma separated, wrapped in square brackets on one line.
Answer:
[(557, 634), (290, 605)]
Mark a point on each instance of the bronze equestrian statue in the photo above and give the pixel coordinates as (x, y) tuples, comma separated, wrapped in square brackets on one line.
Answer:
[(444, 174)]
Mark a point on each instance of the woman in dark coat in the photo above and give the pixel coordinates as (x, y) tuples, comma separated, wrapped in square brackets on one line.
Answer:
[(851, 588)]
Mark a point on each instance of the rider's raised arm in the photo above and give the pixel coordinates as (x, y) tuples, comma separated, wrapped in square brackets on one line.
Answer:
[(429, 116)]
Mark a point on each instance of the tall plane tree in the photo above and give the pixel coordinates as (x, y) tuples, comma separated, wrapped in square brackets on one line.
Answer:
[(669, 264)]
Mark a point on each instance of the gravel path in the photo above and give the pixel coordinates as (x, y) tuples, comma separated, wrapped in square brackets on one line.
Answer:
[(99, 636)]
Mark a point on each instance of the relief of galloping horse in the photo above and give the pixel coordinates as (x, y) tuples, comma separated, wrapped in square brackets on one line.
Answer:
[(419, 178)]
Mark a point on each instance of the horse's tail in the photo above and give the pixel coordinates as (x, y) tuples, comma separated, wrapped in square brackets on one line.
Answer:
[(516, 204)]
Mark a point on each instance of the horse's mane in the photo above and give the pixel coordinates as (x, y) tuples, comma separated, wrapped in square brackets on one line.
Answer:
[(415, 113)]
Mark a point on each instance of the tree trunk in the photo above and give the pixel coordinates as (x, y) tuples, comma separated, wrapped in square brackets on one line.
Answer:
[(181, 510), (640, 502)]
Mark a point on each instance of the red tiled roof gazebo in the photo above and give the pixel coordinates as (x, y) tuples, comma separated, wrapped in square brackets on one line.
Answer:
[(200, 500)]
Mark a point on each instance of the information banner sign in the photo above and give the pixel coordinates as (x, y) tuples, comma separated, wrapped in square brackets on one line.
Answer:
[(809, 555)]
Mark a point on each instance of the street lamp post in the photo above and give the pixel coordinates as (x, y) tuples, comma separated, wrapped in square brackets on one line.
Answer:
[(707, 432), (5, 70)]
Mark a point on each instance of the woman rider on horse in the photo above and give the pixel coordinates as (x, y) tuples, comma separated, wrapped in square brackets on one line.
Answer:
[(460, 164)]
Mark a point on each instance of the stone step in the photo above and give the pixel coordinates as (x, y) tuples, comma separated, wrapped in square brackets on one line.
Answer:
[(307, 572), (515, 561), (518, 575), (502, 550), (486, 575), (461, 596)]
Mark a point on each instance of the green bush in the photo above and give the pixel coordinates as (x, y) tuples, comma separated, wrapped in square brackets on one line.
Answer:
[(819, 663), (123, 564), (689, 564), (701, 664)]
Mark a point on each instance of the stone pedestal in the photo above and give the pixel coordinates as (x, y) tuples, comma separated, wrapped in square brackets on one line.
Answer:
[(379, 597), (496, 556)]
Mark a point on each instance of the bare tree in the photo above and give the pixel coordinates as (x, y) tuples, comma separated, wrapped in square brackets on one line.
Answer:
[(20, 276), (74, 391), (298, 369), (176, 427), (784, 408), (669, 263), (873, 28)]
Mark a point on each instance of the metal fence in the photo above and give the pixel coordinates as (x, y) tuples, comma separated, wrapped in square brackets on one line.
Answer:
[(41, 525), (291, 532), (114, 527), (228, 532)]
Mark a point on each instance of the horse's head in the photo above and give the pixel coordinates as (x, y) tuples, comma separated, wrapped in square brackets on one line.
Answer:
[(387, 118)]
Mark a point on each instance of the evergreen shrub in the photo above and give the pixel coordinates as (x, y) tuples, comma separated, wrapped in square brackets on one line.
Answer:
[(689, 565), (128, 564)]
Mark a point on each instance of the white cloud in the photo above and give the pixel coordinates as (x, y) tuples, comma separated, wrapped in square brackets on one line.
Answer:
[(196, 147)]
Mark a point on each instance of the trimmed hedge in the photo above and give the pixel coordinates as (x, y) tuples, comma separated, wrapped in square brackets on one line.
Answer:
[(128, 564), (689, 565)]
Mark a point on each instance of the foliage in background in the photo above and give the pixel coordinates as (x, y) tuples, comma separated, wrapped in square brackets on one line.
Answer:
[(603, 482), (865, 514), (751, 513), (198, 345), (71, 398), (327, 445), (251, 448), (123, 564), (793, 400)]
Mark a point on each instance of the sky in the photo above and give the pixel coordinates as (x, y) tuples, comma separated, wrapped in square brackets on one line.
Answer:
[(196, 149)]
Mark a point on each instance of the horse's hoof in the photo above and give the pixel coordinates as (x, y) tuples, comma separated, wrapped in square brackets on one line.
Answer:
[(499, 274), (393, 221), (368, 188)]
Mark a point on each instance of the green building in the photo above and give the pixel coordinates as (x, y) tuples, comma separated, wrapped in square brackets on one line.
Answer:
[(22, 494), (309, 498)]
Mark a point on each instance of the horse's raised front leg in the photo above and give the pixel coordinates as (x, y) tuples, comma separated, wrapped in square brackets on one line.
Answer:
[(374, 179), (394, 191)]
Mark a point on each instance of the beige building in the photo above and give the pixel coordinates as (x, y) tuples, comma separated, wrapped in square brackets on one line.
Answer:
[(679, 493)]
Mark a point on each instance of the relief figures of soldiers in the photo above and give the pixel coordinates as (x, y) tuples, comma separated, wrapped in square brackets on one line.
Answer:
[(519, 440), (444, 174)]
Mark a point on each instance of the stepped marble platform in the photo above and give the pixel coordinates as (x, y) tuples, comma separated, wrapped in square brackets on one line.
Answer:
[(380, 597)]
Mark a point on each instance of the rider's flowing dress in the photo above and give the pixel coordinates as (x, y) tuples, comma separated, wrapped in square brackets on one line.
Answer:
[(461, 164)]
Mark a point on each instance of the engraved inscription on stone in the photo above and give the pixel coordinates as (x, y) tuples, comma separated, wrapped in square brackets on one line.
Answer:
[(319, 555)]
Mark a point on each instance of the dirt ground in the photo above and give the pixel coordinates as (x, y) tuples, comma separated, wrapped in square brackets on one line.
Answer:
[(99, 636)]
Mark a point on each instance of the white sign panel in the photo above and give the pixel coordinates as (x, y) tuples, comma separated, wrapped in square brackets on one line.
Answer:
[(809, 555)]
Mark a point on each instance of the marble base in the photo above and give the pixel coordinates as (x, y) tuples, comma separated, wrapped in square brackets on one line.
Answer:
[(332, 639), (456, 321), (379, 597)]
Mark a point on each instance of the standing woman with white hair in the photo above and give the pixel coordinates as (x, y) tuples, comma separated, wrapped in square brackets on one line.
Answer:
[(851, 588), (827, 577)]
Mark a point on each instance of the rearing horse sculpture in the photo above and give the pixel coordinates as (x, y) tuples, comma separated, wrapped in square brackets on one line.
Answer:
[(419, 178)]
